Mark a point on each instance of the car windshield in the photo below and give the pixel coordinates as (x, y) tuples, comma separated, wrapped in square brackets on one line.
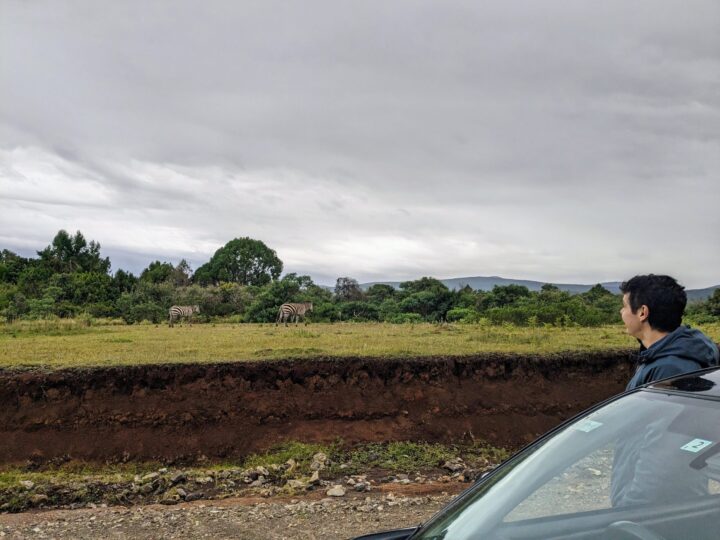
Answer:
[(645, 466)]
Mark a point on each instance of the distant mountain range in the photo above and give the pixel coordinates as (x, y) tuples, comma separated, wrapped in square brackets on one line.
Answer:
[(484, 283)]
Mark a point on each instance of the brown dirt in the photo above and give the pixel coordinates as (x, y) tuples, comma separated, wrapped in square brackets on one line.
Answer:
[(298, 518), (179, 412)]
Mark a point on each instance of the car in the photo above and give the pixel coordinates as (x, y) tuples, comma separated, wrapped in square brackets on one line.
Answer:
[(644, 465)]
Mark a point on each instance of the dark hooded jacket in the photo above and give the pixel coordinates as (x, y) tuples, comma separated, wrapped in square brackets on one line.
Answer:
[(638, 475), (682, 350)]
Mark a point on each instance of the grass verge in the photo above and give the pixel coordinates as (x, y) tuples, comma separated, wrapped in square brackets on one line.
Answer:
[(75, 484), (81, 343)]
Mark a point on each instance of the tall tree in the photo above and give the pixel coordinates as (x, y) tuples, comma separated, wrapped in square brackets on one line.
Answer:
[(596, 293), (713, 303), (69, 254), (348, 289), (124, 281), (427, 297), (380, 292), (242, 260), (182, 274), (157, 272), (506, 295), (11, 266)]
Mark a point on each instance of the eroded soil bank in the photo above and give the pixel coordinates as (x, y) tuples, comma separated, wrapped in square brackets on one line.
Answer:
[(182, 412)]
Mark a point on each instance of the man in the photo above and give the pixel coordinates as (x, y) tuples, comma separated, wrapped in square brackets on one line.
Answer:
[(652, 311)]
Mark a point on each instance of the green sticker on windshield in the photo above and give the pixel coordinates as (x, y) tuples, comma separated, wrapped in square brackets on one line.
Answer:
[(587, 425), (696, 445)]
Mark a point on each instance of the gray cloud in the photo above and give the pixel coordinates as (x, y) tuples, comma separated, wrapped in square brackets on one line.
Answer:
[(554, 140)]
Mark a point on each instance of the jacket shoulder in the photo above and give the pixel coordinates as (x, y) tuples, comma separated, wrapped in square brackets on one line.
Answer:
[(669, 366)]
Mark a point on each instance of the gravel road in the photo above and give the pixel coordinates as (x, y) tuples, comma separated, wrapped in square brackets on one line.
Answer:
[(302, 518)]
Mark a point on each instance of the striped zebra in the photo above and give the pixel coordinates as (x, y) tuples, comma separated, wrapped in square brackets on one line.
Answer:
[(293, 311), (178, 312)]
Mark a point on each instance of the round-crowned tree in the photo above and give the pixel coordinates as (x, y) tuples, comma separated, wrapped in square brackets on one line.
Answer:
[(242, 260)]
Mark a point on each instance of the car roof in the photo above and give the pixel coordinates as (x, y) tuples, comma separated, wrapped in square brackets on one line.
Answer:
[(705, 382)]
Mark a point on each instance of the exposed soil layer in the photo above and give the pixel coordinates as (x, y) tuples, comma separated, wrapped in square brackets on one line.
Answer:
[(228, 410)]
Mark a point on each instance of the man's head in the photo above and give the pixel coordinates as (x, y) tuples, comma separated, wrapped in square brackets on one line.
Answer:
[(658, 301)]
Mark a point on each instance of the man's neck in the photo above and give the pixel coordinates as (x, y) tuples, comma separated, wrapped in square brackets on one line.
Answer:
[(650, 336)]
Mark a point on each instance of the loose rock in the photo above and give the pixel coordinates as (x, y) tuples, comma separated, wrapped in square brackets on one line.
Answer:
[(150, 477), (319, 461), (315, 478), (178, 477), (454, 465), (336, 491)]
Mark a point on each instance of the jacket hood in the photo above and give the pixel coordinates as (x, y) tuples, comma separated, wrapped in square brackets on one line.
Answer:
[(683, 342)]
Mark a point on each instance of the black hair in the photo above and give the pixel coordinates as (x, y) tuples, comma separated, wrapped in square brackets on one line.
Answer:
[(664, 297)]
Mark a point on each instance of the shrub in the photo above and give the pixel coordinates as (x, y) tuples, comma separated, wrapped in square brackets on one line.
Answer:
[(402, 318), (513, 315), (358, 311), (101, 309), (463, 315), (146, 312)]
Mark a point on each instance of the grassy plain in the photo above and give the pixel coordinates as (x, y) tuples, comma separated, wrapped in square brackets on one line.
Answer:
[(77, 343)]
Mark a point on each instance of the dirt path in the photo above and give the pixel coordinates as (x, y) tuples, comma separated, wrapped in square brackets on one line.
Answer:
[(311, 517)]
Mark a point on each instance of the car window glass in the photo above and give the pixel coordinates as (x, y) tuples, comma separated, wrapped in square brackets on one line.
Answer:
[(582, 487), (649, 451)]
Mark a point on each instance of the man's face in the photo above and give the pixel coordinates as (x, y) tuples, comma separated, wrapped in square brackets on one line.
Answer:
[(633, 320)]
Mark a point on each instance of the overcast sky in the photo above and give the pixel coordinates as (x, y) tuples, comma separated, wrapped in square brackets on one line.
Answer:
[(558, 141)]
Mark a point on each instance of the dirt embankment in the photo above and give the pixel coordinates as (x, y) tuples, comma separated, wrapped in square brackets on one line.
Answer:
[(172, 412)]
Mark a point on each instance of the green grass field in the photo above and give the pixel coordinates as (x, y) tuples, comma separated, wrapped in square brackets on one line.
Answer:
[(75, 343)]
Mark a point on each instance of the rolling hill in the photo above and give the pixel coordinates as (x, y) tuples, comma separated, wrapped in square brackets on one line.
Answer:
[(486, 283)]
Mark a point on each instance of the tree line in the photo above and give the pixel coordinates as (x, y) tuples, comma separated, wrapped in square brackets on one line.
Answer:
[(243, 282)]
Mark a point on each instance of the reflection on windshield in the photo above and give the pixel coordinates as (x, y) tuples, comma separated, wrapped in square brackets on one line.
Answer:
[(647, 458), (582, 487)]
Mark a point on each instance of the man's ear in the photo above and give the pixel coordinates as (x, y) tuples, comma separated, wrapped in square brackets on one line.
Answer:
[(643, 313)]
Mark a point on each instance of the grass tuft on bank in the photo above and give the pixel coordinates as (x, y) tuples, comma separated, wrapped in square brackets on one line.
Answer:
[(78, 484)]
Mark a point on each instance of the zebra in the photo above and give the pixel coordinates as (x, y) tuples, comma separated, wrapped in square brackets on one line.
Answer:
[(178, 312), (293, 311)]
